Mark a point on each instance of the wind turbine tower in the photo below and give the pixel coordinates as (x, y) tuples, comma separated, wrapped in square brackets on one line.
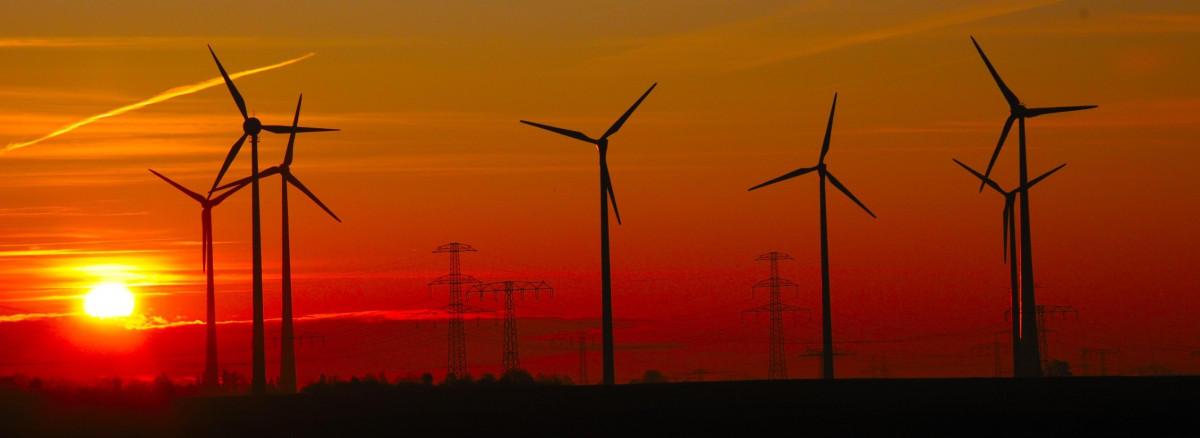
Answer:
[(1010, 249), (823, 172), (1031, 362), (606, 194), (251, 127), (207, 203), (287, 361)]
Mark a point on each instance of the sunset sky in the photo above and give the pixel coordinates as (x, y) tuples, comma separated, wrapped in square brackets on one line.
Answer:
[(428, 96)]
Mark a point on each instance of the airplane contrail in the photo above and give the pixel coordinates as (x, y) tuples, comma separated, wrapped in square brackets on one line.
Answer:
[(174, 92)]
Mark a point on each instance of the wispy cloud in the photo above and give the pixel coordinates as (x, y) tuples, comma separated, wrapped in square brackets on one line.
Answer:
[(31, 316), (747, 44), (165, 95), (61, 252), (83, 42)]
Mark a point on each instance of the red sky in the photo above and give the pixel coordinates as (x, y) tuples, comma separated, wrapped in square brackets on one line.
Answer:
[(427, 98)]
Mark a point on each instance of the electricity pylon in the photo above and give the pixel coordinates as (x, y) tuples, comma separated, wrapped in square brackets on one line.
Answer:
[(1103, 354), (511, 361), (581, 340), (456, 363), (777, 369)]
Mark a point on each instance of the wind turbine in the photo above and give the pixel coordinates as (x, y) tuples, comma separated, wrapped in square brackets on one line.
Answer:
[(1010, 247), (251, 127), (606, 193), (287, 362), (206, 256), (827, 351), (1031, 366)]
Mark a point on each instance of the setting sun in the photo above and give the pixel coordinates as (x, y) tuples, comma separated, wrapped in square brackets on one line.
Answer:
[(108, 300)]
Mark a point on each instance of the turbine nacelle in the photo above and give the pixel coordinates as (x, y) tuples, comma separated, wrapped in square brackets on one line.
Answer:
[(252, 126)]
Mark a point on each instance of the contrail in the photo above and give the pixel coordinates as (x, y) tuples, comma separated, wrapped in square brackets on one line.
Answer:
[(174, 92)]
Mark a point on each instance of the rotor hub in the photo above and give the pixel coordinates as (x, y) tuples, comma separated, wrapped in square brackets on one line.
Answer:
[(252, 126)]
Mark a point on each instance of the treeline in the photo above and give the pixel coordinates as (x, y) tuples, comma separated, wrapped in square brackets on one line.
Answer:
[(110, 391), (413, 381)]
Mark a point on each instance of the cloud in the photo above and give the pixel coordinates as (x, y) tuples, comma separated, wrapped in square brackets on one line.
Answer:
[(31, 316), (160, 97), (748, 44), (83, 42), (150, 322), (59, 252)]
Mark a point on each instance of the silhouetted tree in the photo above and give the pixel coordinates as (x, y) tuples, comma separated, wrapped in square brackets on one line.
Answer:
[(517, 377), (163, 386), (553, 380), (651, 376), (1058, 368)]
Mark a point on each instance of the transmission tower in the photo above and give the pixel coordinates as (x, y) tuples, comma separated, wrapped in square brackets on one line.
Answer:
[(456, 363), (878, 368), (1042, 311), (1100, 353), (581, 340), (511, 361), (777, 369), (997, 349), (820, 352)]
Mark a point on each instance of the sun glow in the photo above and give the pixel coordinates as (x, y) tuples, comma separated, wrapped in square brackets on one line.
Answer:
[(107, 300)]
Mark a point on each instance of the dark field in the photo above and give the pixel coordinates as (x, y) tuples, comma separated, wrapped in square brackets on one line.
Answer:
[(1064, 407)]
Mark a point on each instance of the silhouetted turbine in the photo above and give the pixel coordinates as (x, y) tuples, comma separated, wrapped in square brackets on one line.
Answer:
[(1031, 364), (606, 193), (251, 127), (287, 362), (211, 370), (826, 313), (1010, 248)]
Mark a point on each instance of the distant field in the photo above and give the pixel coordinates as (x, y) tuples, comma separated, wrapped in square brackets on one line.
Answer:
[(1066, 407)]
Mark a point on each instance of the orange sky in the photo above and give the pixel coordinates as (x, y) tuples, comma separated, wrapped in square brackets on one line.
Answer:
[(428, 95)]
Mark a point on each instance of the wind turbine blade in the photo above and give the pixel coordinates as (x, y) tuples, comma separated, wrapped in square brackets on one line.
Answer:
[(242, 182), (621, 121), (611, 195), (789, 175), (279, 129), (1044, 175), (204, 224), (228, 161), (183, 189), (841, 187), (985, 179), (237, 97), (567, 132), (828, 131), (1008, 94), (237, 185), (1008, 205), (287, 156), (996, 154), (1034, 112), (296, 182)]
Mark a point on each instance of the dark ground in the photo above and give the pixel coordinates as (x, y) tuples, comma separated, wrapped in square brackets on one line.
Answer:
[(1062, 407)]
